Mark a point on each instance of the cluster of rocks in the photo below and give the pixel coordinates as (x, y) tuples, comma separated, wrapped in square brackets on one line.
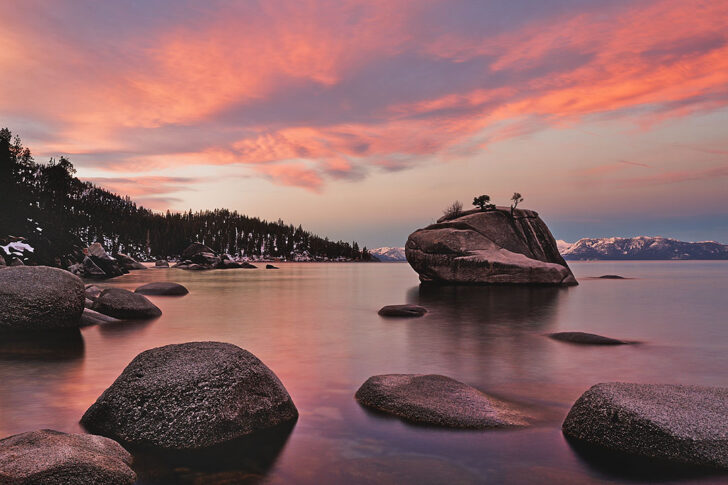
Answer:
[(197, 256), (98, 264)]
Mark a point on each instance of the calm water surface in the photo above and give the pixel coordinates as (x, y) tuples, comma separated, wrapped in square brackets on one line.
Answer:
[(316, 326)]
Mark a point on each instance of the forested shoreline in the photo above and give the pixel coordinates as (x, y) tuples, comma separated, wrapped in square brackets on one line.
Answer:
[(58, 215)]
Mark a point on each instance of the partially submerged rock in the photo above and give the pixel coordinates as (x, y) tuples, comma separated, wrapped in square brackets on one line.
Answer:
[(190, 396), (39, 298), (162, 288), (92, 317), (402, 311), (488, 247), (194, 249), (100, 257), (92, 292), (161, 263), (681, 424), (51, 457), (270, 266), (124, 304), (128, 263), (436, 400), (586, 338), (611, 277)]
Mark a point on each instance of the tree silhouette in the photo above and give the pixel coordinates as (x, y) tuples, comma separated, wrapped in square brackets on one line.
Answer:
[(516, 198), (483, 202)]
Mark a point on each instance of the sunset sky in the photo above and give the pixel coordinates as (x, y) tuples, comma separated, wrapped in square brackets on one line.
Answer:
[(364, 119)]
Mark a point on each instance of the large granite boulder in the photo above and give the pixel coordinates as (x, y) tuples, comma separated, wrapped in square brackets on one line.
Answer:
[(100, 257), (125, 305), (39, 298), (190, 396), (166, 288), (488, 247), (47, 457), (683, 424), (128, 263), (195, 248), (436, 400)]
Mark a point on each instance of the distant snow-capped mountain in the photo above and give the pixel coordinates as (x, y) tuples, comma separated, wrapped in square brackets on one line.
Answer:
[(388, 255), (642, 247)]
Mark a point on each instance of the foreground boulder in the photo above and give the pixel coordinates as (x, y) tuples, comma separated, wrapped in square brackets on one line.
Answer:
[(39, 298), (402, 311), (166, 288), (586, 338), (190, 396), (125, 305), (488, 247), (682, 424), (54, 458), (436, 400)]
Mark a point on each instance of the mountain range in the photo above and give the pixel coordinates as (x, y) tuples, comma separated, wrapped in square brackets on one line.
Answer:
[(612, 248)]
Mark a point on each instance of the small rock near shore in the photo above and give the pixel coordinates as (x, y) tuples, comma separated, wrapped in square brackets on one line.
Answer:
[(166, 288), (125, 305), (436, 400), (191, 396), (402, 311), (586, 338), (51, 457), (680, 424), (161, 263)]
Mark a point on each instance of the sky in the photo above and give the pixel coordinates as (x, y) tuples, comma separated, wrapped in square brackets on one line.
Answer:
[(363, 120)]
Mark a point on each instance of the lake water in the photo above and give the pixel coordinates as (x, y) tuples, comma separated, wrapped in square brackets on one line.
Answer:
[(316, 326)]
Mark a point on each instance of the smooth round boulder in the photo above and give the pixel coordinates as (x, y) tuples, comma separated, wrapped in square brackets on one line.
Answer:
[(47, 457), (39, 298), (436, 400), (162, 288), (190, 396), (161, 263), (406, 311), (584, 338), (125, 305), (679, 424)]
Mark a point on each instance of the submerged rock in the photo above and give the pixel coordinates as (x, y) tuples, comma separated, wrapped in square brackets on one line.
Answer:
[(51, 457), (436, 400), (270, 266), (488, 247), (586, 338), (402, 311), (124, 304), (39, 297), (162, 288), (190, 396), (682, 424), (611, 277)]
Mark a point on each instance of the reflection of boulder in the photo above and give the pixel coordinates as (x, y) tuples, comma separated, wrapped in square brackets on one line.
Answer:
[(65, 344), (511, 305), (233, 462)]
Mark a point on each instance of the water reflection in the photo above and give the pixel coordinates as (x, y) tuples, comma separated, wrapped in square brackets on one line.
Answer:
[(245, 460), (42, 345)]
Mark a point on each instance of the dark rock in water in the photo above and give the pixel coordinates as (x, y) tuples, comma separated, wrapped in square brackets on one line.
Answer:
[(436, 400), (128, 263), (109, 265), (39, 297), (247, 265), (162, 288), (195, 248), (92, 291), (92, 317), (402, 311), (206, 259), (161, 263), (270, 266), (229, 264), (54, 458), (611, 277), (185, 262), (190, 396), (488, 247), (123, 304), (680, 424), (89, 269), (192, 267), (586, 338)]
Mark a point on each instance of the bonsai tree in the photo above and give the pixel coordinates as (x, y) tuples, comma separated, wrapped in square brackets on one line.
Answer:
[(453, 210), (515, 199), (483, 202)]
